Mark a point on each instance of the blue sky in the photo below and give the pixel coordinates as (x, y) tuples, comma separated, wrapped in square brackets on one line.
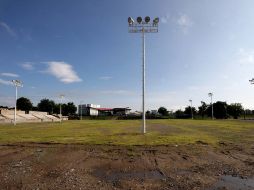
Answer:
[(82, 49)]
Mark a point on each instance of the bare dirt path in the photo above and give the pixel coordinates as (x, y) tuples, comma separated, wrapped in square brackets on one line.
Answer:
[(58, 166)]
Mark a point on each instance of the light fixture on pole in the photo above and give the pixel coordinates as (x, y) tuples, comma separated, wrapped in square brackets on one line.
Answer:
[(191, 109), (211, 95), (61, 99), (143, 26), (252, 81), (16, 83)]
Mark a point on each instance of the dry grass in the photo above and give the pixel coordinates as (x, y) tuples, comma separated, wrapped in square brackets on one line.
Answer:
[(127, 132)]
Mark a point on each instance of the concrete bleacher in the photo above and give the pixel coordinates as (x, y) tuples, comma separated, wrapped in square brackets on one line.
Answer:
[(53, 118), (4, 119), (28, 117), (43, 116), (7, 116)]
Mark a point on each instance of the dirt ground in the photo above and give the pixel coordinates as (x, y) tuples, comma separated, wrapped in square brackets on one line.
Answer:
[(59, 166)]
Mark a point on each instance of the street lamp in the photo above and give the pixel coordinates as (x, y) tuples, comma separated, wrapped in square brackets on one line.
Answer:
[(16, 83), (211, 95), (191, 109), (143, 26), (61, 99), (252, 81)]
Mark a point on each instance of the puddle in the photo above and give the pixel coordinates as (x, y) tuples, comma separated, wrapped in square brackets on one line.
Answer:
[(116, 176), (184, 172), (229, 182)]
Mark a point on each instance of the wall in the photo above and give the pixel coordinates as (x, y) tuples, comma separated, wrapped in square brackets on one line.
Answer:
[(93, 112)]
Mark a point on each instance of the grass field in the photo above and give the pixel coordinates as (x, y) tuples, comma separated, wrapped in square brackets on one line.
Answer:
[(127, 132)]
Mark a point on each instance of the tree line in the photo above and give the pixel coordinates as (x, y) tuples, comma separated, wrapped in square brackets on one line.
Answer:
[(221, 110), (46, 105)]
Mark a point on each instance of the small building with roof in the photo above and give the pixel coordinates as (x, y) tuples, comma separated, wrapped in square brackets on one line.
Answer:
[(96, 110)]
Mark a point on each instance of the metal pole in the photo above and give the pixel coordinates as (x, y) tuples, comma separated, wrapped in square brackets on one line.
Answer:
[(143, 27), (61, 110), (191, 111), (212, 105), (15, 111), (143, 85), (81, 111)]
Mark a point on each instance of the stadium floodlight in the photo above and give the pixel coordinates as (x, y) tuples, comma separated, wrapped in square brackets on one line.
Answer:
[(191, 109), (139, 19), (143, 27), (147, 19), (61, 99), (16, 83), (210, 94), (156, 21), (130, 20), (252, 81)]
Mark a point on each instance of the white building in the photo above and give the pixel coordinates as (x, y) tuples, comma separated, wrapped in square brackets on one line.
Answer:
[(95, 110), (88, 109)]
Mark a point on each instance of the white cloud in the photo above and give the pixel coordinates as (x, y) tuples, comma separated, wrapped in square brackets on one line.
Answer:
[(246, 56), (105, 78), (63, 71), (7, 28), (9, 75), (224, 76), (5, 82), (165, 19), (185, 22), (27, 66)]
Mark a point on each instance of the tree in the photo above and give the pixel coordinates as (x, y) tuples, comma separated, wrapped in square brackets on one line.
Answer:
[(56, 109), (235, 110), (4, 107), (35, 108), (24, 104), (148, 112), (69, 109), (188, 109), (46, 105), (219, 110), (163, 111), (202, 110), (179, 114)]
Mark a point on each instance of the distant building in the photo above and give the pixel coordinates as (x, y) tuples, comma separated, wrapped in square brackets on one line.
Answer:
[(88, 109), (96, 110), (121, 111)]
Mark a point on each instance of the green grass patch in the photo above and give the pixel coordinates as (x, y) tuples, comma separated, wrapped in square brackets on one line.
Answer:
[(127, 132)]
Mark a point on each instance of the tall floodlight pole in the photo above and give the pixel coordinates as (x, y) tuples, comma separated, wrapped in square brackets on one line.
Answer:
[(191, 109), (211, 95), (61, 99), (143, 27), (16, 83)]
